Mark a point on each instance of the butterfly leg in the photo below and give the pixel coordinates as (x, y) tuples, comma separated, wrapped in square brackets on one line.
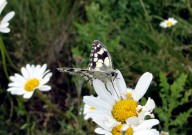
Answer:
[(112, 80), (107, 89)]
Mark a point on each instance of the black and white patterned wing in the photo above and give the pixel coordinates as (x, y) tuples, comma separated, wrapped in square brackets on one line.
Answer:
[(85, 73), (100, 58), (100, 65)]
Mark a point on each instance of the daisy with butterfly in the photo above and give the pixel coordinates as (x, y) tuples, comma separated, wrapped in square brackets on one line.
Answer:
[(117, 115), (116, 109)]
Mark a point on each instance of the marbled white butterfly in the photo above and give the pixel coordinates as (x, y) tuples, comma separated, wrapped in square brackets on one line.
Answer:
[(100, 65)]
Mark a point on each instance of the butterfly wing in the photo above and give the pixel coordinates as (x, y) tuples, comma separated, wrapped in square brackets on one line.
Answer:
[(78, 71), (100, 65), (100, 58)]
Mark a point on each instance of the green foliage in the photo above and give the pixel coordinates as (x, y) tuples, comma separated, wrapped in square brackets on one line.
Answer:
[(99, 26), (174, 96), (39, 27), (131, 32), (60, 33)]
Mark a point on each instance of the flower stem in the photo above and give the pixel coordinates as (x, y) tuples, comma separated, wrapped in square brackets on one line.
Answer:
[(3, 58), (7, 55)]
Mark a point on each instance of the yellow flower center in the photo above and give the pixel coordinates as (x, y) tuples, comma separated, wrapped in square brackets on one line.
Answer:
[(124, 109), (31, 84), (129, 131), (92, 108), (117, 130), (169, 23)]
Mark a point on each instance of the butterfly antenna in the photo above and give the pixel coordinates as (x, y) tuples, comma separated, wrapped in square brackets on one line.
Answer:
[(128, 65)]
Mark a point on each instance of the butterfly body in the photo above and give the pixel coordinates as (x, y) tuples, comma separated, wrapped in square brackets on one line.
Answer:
[(100, 65)]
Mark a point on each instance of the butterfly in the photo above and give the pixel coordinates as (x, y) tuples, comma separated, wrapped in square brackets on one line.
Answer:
[(100, 65)]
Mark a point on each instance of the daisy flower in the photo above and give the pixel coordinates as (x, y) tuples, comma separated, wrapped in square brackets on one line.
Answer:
[(4, 23), (117, 109), (32, 77), (168, 23), (143, 129)]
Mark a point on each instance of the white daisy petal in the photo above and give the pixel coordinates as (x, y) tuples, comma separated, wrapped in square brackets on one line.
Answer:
[(85, 110), (4, 25), (102, 131), (154, 131), (33, 71), (44, 88), (16, 81), (102, 92), (24, 73), (41, 71), (8, 17), (150, 105), (13, 78), (48, 74), (13, 89), (113, 90), (44, 81), (30, 72), (20, 78), (37, 68), (105, 122), (3, 3), (101, 114), (147, 132), (147, 124), (5, 30), (16, 91), (28, 95), (120, 82), (16, 84), (98, 104), (132, 121), (142, 86)]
